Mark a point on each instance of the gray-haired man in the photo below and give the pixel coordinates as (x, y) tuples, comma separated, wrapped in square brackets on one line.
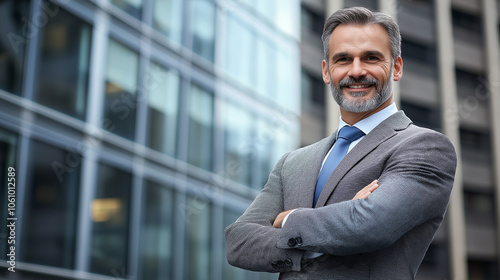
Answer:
[(365, 202)]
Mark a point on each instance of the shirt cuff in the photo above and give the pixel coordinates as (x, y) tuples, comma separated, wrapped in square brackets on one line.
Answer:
[(286, 217), (311, 255)]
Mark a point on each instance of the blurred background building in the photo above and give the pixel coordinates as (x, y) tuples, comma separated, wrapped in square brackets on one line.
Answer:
[(139, 129)]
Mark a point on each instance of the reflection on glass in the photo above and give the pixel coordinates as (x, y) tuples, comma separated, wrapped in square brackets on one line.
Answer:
[(265, 68), (8, 149), (287, 17), (288, 91), (197, 239), (131, 7), (167, 18), (121, 85), (156, 233), (240, 47), (49, 220), (238, 144), (200, 128), (63, 64), (163, 91), (203, 28), (268, 8), (110, 217), (13, 42)]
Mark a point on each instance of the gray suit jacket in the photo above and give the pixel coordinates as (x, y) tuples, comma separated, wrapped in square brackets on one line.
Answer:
[(382, 237)]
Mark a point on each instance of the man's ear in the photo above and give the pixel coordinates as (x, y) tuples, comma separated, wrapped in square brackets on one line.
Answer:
[(326, 76), (398, 69)]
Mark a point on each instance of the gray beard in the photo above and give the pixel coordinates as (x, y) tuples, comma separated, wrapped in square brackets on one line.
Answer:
[(382, 94)]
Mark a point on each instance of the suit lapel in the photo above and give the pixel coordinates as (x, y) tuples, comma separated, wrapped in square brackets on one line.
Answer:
[(306, 182), (384, 131)]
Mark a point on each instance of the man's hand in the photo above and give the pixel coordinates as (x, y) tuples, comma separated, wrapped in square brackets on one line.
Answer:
[(366, 191), (279, 220)]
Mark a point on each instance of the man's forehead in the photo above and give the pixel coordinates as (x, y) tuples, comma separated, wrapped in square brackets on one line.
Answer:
[(374, 35)]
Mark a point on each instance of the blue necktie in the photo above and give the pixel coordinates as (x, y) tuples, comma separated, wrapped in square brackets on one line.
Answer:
[(346, 136)]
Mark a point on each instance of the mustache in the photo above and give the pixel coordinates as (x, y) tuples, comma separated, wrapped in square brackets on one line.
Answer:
[(365, 80)]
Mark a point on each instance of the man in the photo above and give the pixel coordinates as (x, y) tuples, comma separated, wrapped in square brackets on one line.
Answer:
[(315, 219)]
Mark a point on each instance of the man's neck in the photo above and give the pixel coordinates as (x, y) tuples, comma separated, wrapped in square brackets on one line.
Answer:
[(351, 118)]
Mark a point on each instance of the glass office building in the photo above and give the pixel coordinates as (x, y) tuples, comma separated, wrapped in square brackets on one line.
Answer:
[(139, 129)]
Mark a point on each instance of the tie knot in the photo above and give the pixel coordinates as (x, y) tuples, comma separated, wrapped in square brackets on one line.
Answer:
[(350, 133)]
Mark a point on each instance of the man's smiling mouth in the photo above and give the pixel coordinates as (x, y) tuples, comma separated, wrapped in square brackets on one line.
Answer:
[(359, 86)]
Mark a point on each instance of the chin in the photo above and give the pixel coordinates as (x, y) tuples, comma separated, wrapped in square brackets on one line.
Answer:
[(359, 105), (359, 97)]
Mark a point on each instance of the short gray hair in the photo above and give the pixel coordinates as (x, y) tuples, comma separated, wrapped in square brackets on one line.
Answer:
[(362, 16)]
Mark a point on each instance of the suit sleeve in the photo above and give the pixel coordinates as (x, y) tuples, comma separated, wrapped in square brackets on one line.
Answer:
[(414, 188), (251, 240)]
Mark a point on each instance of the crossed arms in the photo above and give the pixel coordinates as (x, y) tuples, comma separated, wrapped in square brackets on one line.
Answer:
[(362, 194), (413, 188)]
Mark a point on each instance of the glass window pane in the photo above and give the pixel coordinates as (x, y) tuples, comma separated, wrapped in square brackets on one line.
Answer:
[(110, 216), (167, 18), (8, 149), (132, 7), (121, 85), (15, 39), (288, 91), (311, 22), (203, 28), (201, 121), (283, 91), (156, 233), (265, 70), (238, 144), (163, 95), (51, 206), (197, 242), (265, 136), (268, 8), (63, 65), (240, 40), (422, 116), (287, 16)]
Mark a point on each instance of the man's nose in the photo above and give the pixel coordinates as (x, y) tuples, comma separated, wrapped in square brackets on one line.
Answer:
[(357, 69)]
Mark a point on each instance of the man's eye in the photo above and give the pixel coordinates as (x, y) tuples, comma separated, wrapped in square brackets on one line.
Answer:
[(342, 59), (372, 58)]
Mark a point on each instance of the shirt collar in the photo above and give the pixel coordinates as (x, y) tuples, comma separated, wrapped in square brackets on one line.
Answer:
[(368, 124)]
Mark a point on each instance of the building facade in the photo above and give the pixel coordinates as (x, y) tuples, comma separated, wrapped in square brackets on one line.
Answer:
[(450, 51), (136, 130)]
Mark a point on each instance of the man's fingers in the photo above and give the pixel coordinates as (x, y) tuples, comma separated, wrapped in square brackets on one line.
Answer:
[(365, 195), (366, 191), (372, 186)]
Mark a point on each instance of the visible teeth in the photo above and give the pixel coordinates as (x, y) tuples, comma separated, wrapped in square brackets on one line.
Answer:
[(361, 86)]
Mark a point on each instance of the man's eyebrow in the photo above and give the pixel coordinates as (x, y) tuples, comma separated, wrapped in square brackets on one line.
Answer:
[(377, 53), (338, 55)]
